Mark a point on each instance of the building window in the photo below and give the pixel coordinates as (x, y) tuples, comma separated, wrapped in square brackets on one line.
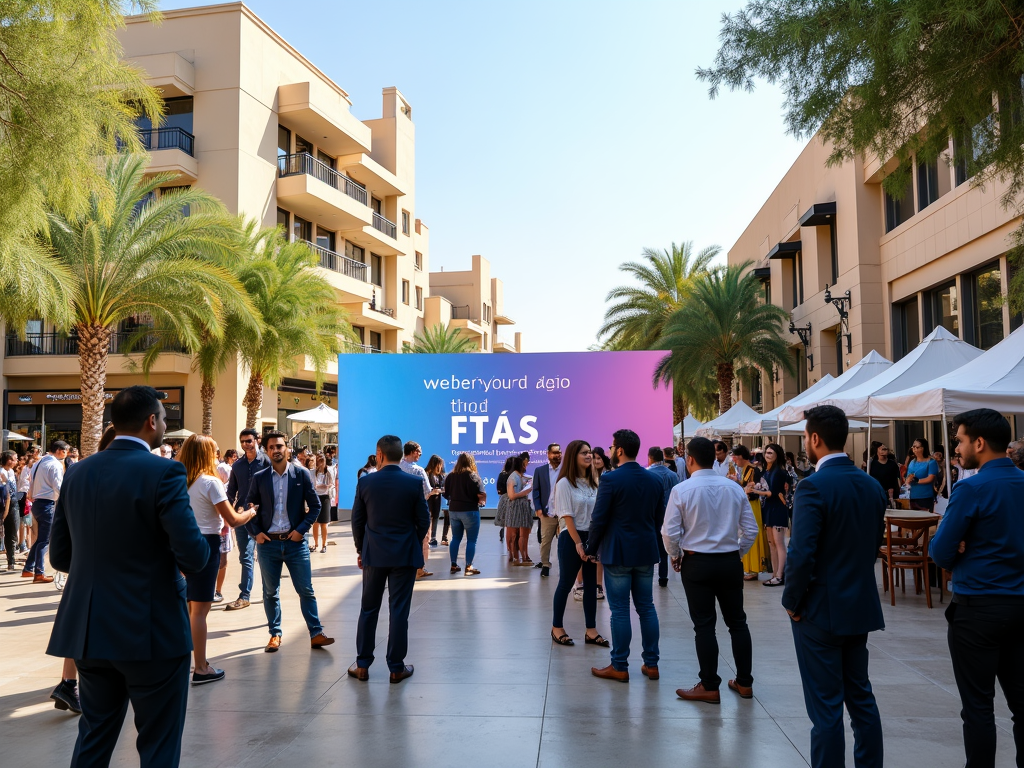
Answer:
[(927, 184), (375, 340), (376, 270), (355, 253), (419, 261), (988, 306), (186, 210), (360, 333), (327, 160), (405, 291), (800, 366), (378, 205), (302, 229), (284, 141), (906, 328), (419, 297), (302, 146), (756, 397), (405, 222), (899, 210), (839, 352), (485, 341), (487, 314), (797, 267), (325, 238), (946, 309), (833, 239), (282, 219), (968, 147)]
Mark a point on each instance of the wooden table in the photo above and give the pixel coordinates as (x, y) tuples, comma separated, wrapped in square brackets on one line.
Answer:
[(910, 514)]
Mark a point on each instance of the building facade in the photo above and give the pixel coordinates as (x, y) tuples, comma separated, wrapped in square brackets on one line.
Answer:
[(859, 269), (474, 302), (253, 122)]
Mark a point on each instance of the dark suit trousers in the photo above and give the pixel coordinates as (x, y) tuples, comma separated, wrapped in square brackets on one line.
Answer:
[(986, 642), (158, 691), (834, 671), (707, 578), (399, 583)]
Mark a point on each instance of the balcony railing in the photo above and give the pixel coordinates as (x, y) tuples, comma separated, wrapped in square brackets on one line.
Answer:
[(60, 344), (338, 263), (352, 347), (303, 162), (383, 310), (168, 138), (381, 224), (461, 312)]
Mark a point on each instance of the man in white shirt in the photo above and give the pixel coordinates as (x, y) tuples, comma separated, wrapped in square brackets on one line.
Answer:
[(708, 527), (45, 482), (723, 465), (411, 455)]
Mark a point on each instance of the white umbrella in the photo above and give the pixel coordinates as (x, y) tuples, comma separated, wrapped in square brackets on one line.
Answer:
[(178, 434), (8, 435), (319, 417)]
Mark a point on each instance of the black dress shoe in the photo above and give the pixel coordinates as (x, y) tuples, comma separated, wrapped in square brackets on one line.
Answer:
[(65, 697), (544, 571), (662, 582), (538, 565), (397, 677)]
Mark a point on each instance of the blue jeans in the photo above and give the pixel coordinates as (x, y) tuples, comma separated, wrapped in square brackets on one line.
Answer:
[(621, 581), (246, 551), (294, 554), (468, 523), (42, 511)]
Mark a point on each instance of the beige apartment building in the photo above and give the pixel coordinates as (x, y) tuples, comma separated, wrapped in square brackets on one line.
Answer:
[(474, 302), (894, 269), (255, 123)]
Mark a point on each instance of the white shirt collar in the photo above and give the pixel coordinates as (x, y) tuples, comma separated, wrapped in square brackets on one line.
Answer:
[(138, 440), (829, 457)]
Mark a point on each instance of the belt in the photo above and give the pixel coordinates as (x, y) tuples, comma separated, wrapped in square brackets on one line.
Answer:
[(279, 536), (983, 600), (691, 553)]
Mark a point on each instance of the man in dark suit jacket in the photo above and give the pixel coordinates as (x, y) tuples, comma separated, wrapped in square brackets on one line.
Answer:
[(830, 592), (624, 531), (669, 480), (544, 481), (389, 521), (124, 618), (282, 494)]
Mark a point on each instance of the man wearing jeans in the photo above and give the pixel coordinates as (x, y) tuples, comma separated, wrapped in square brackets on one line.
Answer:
[(624, 530), (47, 475), (251, 462)]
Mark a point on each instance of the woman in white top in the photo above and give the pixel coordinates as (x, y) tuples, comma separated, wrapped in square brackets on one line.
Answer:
[(322, 482), (25, 534), (210, 505), (575, 495)]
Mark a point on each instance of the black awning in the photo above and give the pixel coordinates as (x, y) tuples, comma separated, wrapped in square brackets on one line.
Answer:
[(764, 274), (785, 250), (819, 215)]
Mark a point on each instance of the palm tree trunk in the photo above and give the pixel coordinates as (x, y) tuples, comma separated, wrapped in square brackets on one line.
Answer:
[(93, 349), (206, 392), (253, 400), (725, 376)]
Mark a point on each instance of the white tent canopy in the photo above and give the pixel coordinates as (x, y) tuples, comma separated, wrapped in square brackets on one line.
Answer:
[(940, 353), (865, 369), (727, 423), (688, 426), (768, 423), (321, 416), (994, 379), (855, 426), (8, 435)]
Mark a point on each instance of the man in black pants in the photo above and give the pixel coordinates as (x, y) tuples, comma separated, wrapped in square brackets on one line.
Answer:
[(702, 534), (981, 540)]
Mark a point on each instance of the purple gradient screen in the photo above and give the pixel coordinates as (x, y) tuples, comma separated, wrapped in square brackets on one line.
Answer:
[(491, 406)]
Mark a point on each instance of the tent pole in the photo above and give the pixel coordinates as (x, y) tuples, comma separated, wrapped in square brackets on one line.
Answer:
[(947, 449)]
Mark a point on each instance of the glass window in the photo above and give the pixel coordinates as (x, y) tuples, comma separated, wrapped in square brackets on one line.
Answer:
[(284, 141), (419, 297), (946, 309), (988, 307), (419, 260), (899, 210), (282, 219), (834, 243), (377, 205), (355, 253), (301, 145), (839, 352), (360, 333), (302, 229), (405, 222), (375, 340), (910, 328), (325, 238), (376, 270), (927, 184), (405, 291), (326, 159), (800, 366), (756, 398), (178, 114)]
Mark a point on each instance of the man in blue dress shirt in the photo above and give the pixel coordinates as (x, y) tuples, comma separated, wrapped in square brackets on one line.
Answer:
[(981, 540)]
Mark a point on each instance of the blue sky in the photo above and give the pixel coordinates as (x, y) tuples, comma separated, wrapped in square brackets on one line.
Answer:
[(557, 138)]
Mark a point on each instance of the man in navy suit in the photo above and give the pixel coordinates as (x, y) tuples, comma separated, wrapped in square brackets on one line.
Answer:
[(669, 480), (544, 481), (831, 594), (280, 526), (624, 530), (124, 619), (389, 521)]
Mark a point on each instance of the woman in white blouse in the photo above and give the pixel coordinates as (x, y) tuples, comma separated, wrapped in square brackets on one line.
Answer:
[(575, 494)]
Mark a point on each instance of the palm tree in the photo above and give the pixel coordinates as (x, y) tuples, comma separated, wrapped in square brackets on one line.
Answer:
[(155, 260), (637, 318), (300, 314), (440, 340), (723, 327)]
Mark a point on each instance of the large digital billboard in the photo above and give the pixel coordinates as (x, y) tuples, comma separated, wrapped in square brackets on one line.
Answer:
[(493, 405)]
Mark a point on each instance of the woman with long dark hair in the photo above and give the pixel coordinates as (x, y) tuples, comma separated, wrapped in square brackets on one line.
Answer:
[(368, 467), (575, 495), (922, 471), (435, 476), (519, 512), (601, 462), (885, 470), (511, 542), (774, 512), (749, 476), (465, 493)]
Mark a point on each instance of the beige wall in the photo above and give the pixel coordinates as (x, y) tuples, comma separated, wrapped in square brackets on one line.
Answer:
[(476, 303)]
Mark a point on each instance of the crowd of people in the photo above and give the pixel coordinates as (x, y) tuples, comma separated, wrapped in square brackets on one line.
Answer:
[(135, 629)]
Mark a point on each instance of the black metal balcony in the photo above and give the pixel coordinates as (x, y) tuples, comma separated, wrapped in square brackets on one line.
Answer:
[(353, 348), (168, 138), (338, 263), (303, 162), (381, 224), (61, 344), (461, 312)]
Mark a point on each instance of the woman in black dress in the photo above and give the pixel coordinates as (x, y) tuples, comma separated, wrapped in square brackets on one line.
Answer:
[(774, 512), (885, 470), (435, 476)]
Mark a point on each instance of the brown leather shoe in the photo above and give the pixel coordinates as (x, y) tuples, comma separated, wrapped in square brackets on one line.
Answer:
[(359, 673), (610, 673), (651, 673), (274, 644), (397, 677), (320, 641), (28, 574), (237, 605), (744, 691), (697, 693), (41, 579)]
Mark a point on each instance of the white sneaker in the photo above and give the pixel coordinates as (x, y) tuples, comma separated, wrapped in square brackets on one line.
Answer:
[(600, 592), (577, 593)]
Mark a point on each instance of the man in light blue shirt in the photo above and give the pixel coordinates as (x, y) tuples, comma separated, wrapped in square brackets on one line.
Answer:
[(411, 454)]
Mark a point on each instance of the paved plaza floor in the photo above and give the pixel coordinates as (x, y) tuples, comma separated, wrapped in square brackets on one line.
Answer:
[(490, 688)]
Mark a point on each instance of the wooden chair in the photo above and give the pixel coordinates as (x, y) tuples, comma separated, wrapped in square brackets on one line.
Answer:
[(906, 550)]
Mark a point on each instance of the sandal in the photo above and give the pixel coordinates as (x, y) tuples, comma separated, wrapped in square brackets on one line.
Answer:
[(562, 639), (455, 568), (750, 577), (470, 570), (444, 542), (597, 641), (773, 582)]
